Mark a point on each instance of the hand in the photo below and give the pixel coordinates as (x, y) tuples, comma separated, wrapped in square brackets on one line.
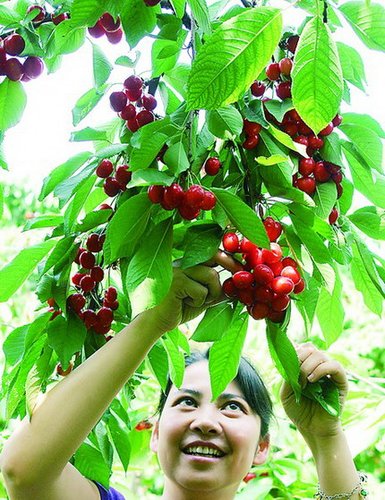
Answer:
[(192, 291), (309, 417)]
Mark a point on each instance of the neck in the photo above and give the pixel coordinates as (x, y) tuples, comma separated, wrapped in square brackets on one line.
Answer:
[(176, 492)]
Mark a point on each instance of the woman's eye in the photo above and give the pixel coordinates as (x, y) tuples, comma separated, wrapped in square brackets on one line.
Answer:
[(186, 401), (233, 406)]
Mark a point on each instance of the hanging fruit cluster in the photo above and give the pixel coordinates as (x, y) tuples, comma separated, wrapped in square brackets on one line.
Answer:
[(116, 183), (16, 68), (107, 25), (266, 279)]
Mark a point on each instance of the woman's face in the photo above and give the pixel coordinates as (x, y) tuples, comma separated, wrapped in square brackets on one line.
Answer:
[(206, 446)]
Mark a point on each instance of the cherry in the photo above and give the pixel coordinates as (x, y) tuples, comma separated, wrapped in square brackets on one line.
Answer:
[(194, 196), (14, 44), (97, 30), (249, 476), (111, 294), (59, 18), (251, 142), (243, 279), (301, 139), (282, 286), (251, 128), (315, 142), (292, 43), (64, 373), (209, 201), (87, 260), (13, 69), (93, 243), (97, 274), (111, 186), (293, 115), (273, 228), (259, 310), (89, 318), (332, 168), (188, 212), (111, 304), (291, 129), (304, 129), (288, 261), (285, 66), (123, 175), (306, 166), (272, 255), (104, 206), (254, 257), (143, 425), (276, 316), (149, 102), (299, 287), (337, 177), (33, 67), (229, 289), (292, 273), (328, 129), (258, 89), (76, 278), (104, 169), (118, 101), (128, 112), (114, 36), (87, 284), (40, 13), (132, 124), (280, 303), (263, 275), (108, 22), (144, 117), (246, 246), (76, 302), (101, 329), (273, 72), (333, 216), (246, 295), (51, 302), (320, 172), (283, 90), (151, 3), (340, 190), (212, 165), (337, 120), (105, 316), (276, 267), (133, 94), (173, 196), (307, 185), (230, 242), (155, 193), (133, 82), (263, 294)]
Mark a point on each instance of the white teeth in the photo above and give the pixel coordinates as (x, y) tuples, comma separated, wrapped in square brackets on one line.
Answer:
[(204, 450)]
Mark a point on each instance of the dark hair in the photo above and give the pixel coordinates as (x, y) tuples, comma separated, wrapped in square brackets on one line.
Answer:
[(248, 380)]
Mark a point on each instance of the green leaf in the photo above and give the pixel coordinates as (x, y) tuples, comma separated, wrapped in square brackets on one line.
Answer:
[(227, 63), (278, 108), (149, 273), (86, 103), (370, 266), (225, 355), (86, 12), (88, 134), (77, 203), (120, 437), (317, 76), (364, 284), (90, 462), (126, 227), (325, 199), (165, 53), (43, 221), (158, 362), (371, 221), (127, 61), (331, 150), (13, 275), (137, 20), (352, 65), (372, 188), (366, 142), (201, 243), (179, 7), (13, 345), (101, 66), (368, 22), (13, 100), (326, 394), (214, 323), (268, 161), (149, 177), (67, 38), (284, 355), (93, 219), (66, 337), (62, 172), (243, 217), (200, 12), (64, 249), (175, 361), (176, 157), (311, 240), (32, 390), (225, 123), (8, 16), (330, 311), (364, 121)]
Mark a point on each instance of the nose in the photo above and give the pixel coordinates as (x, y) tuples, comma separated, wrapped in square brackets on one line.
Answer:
[(206, 421)]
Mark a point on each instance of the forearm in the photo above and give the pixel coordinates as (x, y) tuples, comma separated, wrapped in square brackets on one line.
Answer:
[(335, 467), (42, 447)]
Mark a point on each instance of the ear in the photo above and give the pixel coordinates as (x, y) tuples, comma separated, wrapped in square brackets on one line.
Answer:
[(262, 452), (155, 437)]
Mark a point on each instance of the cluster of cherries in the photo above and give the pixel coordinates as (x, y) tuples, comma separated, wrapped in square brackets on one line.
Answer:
[(266, 278), (14, 68), (251, 131), (189, 203), (123, 103), (107, 25), (116, 183), (41, 15), (86, 280)]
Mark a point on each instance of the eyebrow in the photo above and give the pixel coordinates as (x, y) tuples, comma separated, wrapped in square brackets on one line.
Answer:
[(223, 396)]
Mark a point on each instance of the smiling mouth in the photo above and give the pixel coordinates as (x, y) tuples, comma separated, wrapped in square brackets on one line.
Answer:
[(203, 451)]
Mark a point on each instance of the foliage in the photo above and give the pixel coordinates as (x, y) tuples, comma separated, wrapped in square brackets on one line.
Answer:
[(207, 103)]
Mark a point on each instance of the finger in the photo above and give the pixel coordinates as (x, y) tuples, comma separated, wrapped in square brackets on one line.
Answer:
[(312, 362), (226, 261), (333, 370), (209, 278), (189, 290)]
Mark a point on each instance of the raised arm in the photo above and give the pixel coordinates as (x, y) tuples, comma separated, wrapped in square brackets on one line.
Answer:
[(322, 432), (34, 460)]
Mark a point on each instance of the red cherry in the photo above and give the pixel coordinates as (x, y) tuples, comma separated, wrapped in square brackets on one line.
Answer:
[(272, 255), (246, 296), (333, 216), (273, 228), (39, 13), (299, 287), (111, 187), (64, 373), (291, 129), (259, 310), (273, 72), (155, 193), (194, 196), (263, 294), (114, 36), (258, 88), (118, 101), (246, 246), (123, 175), (111, 304), (87, 260), (251, 142), (292, 273), (280, 303), (243, 279), (13, 69), (87, 284), (230, 242), (111, 294), (104, 206), (209, 201), (59, 18), (293, 115), (94, 243), (212, 166), (128, 113), (229, 289), (76, 302), (301, 139), (306, 166), (132, 124), (76, 278), (288, 261), (285, 66), (263, 275), (283, 90), (97, 274), (151, 3), (282, 286), (173, 195), (149, 102), (97, 30), (315, 142), (51, 302), (304, 129), (320, 172), (105, 316), (89, 318), (144, 117), (337, 120), (251, 128), (337, 177), (254, 257), (189, 213), (101, 329), (307, 185), (292, 43), (276, 267), (33, 67), (249, 476), (133, 82), (108, 22), (104, 169), (133, 94), (327, 130)]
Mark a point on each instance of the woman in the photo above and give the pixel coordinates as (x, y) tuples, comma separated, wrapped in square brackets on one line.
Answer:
[(35, 460)]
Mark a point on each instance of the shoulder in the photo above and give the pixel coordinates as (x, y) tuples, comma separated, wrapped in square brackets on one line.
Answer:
[(107, 494)]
